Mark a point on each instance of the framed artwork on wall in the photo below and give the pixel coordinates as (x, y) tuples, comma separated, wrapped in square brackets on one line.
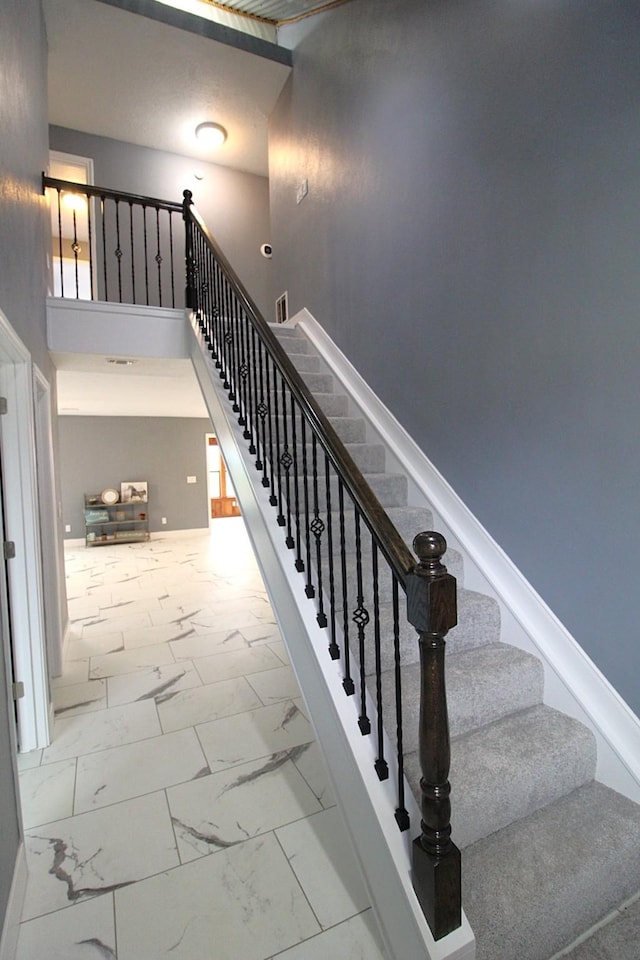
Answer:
[(133, 491)]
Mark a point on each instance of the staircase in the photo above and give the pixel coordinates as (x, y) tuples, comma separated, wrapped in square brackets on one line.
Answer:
[(548, 852)]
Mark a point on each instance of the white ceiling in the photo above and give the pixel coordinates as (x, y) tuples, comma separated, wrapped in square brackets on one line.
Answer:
[(125, 76), (122, 75), (89, 386)]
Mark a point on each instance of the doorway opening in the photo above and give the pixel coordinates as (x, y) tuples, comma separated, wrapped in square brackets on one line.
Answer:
[(73, 244), (222, 497)]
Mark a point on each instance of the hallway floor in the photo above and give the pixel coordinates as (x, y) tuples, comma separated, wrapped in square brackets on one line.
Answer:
[(183, 810)]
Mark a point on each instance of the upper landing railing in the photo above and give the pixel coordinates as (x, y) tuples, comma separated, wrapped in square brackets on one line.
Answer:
[(354, 565), (116, 247)]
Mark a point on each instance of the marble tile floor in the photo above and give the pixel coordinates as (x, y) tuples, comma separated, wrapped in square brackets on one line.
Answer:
[(183, 810)]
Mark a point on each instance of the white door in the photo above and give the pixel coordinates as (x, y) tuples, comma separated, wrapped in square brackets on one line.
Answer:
[(21, 526)]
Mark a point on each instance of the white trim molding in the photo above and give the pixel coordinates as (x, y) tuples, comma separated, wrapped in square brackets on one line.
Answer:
[(573, 683)]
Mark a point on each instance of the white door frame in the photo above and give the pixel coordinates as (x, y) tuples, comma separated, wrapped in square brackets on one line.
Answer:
[(83, 175), (22, 526), (49, 513)]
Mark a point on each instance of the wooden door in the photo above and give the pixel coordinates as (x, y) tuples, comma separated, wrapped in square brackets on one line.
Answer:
[(223, 500)]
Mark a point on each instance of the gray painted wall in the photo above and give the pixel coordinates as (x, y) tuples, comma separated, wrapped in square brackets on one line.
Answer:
[(23, 154), (471, 239), (100, 452), (233, 204)]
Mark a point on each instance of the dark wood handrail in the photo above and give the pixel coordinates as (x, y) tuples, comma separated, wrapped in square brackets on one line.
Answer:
[(89, 190), (397, 553)]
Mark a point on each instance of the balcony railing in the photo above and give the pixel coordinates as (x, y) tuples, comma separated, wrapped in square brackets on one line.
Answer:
[(116, 247)]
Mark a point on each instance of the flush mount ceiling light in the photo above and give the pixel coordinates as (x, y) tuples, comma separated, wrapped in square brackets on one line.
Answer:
[(211, 134)]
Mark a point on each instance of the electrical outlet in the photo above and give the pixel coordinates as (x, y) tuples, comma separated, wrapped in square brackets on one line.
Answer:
[(164, 520), (67, 528), (192, 480)]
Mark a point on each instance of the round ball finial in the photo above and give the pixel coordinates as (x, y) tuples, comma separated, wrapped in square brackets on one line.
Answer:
[(429, 546)]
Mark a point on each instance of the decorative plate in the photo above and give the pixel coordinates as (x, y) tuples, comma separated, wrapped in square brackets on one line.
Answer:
[(109, 496)]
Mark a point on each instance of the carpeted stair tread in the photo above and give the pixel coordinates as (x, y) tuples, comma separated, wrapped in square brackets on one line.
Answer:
[(333, 404), (369, 457), (349, 429), (483, 685), (291, 337), (619, 939), (391, 489), (533, 887), (478, 625), (319, 382), (408, 521), (539, 753), (472, 606), (304, 362)]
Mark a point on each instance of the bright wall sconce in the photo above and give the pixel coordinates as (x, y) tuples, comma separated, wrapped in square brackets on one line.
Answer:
[(74, 201), (211, 134)]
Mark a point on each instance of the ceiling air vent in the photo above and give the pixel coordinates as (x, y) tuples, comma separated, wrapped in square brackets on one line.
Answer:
[(282, 308)]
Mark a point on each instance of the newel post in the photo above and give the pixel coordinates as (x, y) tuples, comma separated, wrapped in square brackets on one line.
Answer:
[(190, 298), (431, 609)]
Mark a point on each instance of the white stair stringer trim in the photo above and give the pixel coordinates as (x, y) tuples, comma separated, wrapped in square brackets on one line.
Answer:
[(573, 683), (383, 852)]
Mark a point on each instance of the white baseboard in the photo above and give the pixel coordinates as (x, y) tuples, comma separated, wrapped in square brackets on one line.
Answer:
[(573, 683), (11, 926), (154, 535)]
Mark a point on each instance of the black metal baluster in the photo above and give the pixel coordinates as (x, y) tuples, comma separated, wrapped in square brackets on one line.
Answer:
[(104, 248), (402, 815), (262, 410), (310, 592), (280, 518), (361, 619), (251, 388), (133, 268), (287, 462), (296, 473), (75, 247), (118, 251), (269, 397), (146, 253), (334, 649), (91, 263), (210, 292), (317, 527), (60, 243), (243, 370), (347, 681), (173, 286), (158, 256), (205, 312), (233, 346), (381, 766), (256, 357), (217, 316)]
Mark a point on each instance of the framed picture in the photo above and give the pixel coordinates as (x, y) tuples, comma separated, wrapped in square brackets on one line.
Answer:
[(133, 491)]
